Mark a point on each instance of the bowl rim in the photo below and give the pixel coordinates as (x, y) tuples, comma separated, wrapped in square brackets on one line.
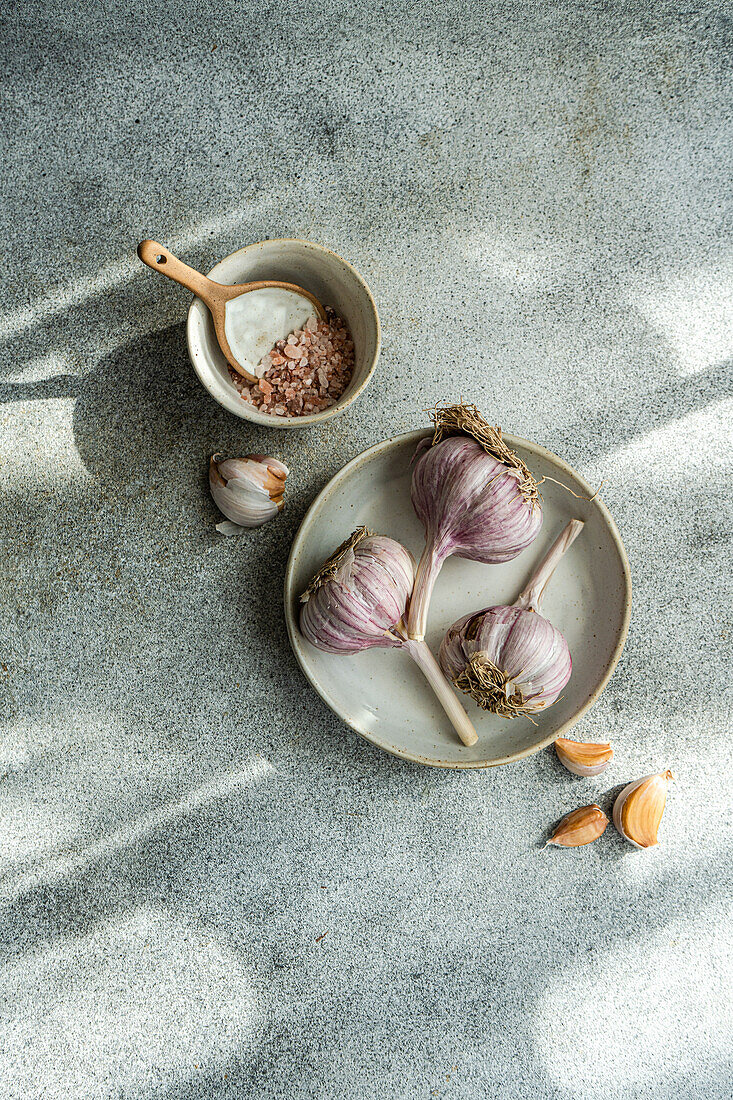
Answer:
[(206, 375), (296, 642)]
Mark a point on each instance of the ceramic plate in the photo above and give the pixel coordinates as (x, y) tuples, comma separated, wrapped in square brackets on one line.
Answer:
[(380, 693)]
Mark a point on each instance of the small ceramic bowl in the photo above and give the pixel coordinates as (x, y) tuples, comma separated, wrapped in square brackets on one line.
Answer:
[(334, 282)]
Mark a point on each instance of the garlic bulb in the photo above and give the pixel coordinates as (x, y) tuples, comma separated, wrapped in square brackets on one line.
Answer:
[(583, 757), (511, 660), (637, 812), (580, 827), (358, 595), (358, 599), (249, 491), (475, 497)]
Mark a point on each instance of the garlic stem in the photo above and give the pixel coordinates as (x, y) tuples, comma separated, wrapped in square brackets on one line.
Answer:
[(531, 596), (425, 661), (427, 572)]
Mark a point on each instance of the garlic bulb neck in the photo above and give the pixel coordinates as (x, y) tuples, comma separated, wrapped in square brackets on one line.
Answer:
[(532, 595), (428, 569), (431, 670)]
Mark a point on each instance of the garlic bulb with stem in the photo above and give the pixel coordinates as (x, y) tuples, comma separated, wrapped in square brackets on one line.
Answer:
[(474, 496), (511, 660), (581, 826), (637, 812), (358, 599), (583, 757), (249, 490)]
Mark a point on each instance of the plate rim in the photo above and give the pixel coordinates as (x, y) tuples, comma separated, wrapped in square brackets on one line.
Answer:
[(296, 641)]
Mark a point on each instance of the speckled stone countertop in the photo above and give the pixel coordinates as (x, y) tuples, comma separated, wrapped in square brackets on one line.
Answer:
[(210, 888)]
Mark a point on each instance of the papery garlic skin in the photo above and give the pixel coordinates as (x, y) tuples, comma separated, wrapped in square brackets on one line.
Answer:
[(476, 504), (361, 599), (511, 660), (249, 490), (470, 503), (358, 599), (638, 810), (530, 658), (581, 826), (583, 757)]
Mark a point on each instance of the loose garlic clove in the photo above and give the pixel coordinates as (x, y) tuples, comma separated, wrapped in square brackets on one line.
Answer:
[(583, 757), (637, 812), (580, 827), (249, 491)]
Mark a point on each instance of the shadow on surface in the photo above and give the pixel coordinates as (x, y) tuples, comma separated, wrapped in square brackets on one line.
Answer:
[(142, 415), (140, 399), (602, 429)]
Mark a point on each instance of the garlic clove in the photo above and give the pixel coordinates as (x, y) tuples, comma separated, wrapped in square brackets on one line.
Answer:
[(268, 473), (249, 490), (581, 826), (583, 757), (637, 812)]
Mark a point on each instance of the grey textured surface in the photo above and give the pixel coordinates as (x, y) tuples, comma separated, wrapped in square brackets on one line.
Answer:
[(540, 197)]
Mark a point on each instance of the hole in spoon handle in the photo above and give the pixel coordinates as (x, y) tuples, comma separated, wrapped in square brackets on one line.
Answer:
[(159, 258)]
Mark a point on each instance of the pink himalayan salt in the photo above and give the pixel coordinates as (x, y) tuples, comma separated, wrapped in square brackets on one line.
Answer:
[(306, 373)]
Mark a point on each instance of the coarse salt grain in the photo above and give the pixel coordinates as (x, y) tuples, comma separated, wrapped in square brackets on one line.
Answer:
[(306, 373)]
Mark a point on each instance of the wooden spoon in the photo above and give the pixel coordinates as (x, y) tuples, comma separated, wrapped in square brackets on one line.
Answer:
[(214, 295)]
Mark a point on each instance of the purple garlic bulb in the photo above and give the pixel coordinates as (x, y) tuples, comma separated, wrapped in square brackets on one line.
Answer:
[(511, 660), (358, 600), (359, 595), (475, 497)]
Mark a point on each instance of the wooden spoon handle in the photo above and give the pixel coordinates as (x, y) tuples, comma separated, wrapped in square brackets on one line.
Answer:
[(160, 259)]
